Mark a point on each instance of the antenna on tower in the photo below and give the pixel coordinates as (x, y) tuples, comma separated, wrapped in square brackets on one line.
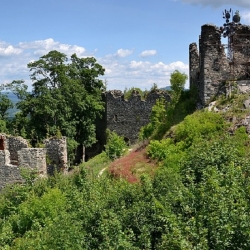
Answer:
[(227, 29)]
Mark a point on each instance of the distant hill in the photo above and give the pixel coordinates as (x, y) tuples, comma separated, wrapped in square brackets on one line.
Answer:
[(14, 99), (169, 88), (166, 88)]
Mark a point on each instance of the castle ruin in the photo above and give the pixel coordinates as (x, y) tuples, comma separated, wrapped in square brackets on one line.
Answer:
[(215, 67), (125, 117), (15, 154)]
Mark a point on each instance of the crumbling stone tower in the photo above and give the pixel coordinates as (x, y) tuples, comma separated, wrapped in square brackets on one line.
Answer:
[(211, 70)]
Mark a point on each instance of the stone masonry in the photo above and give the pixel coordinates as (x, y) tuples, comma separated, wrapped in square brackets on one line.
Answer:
[(210, 69), (126, 117), (15, 153), (56, 154)]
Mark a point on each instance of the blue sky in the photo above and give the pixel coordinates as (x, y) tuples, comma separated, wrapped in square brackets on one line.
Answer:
[(139, 43)]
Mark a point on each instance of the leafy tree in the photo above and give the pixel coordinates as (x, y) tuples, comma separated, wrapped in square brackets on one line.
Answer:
[(3, 128), (177, 81), (5, 104), (116, 146), (128, 92), (65, 96)]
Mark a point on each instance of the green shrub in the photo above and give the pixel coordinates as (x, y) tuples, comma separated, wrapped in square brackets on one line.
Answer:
[(116, 146), (199, 126)]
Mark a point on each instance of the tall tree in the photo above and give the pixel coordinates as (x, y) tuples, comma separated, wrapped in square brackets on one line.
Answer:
[(5, 105), (177, 81), (5, 102), (65, 97)]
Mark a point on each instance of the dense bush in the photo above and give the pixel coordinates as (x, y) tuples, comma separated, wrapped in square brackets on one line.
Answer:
[(198, 198), (115, 146)]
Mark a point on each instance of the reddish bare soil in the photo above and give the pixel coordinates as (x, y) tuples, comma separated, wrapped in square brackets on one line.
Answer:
[(132, 165)]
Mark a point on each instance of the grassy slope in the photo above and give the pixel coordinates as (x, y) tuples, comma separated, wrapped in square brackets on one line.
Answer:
[(137, 162)]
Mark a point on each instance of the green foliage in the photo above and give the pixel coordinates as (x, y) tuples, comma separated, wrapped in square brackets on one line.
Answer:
[(116, 146), (94, 165), (177, 81), (5, 105), (71, 147), (198, 199), (164, 114), (157, 120), (128, 93), (167, 151), (29, 175), (3, 128), (65, 96), (199, 126)]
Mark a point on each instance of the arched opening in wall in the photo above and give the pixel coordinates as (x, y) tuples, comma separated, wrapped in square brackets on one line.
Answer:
[(1, 143)]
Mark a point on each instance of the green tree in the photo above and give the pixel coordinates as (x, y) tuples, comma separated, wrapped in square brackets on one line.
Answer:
[(116, 146), (128, 92), (66, 97), (5, 102), (5, 105), (177, 81)]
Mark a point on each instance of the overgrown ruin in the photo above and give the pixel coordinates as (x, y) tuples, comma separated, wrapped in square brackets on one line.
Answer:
[(125, 117), (15, 154), (215, 67)]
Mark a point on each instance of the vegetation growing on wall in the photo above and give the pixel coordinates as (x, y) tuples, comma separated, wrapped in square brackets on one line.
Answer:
[(165, 114)]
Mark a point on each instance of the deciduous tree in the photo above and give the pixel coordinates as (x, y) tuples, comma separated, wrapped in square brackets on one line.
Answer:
[(65, 96)]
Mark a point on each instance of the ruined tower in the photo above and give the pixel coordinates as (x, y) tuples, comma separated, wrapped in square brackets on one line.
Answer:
[(214, 66)]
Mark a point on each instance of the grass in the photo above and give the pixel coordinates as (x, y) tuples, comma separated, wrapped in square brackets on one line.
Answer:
[(96, 164)]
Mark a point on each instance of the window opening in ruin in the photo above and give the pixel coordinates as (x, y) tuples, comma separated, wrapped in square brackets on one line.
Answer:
[(1, 144)]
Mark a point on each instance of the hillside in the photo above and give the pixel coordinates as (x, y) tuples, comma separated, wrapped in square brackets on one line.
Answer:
[(187, 189)]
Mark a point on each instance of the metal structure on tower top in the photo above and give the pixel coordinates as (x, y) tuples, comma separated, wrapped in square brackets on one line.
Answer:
[(227, 29)]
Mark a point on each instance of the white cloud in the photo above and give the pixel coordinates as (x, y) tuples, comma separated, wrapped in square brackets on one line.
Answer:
[(219, 3), (141, 74), (123, 52), (42, 47), (7, 49), (119, 72), (14, 58), (146, 53), (246, 16)]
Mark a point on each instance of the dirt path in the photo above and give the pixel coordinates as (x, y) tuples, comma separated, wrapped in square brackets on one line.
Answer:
[(101, 172), (132, 165)]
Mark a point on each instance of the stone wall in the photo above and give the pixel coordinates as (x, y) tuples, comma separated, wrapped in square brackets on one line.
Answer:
[(56, 154), (8, 173), (126, 117), (210, 69), (194, 69), (14, 144), (33, 158), (15, 154), (241, 51)]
